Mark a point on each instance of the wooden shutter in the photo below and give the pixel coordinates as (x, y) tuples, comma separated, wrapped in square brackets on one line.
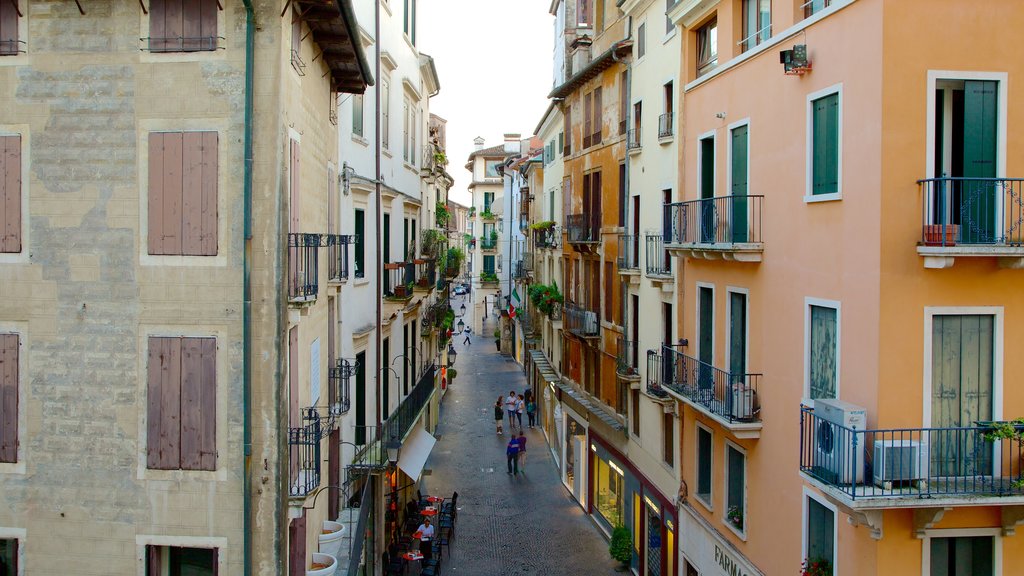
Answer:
[(738, 173), (10, 193), (668, 436), (199, 25), (198, 404), (595, 206), (598, 110), (294, 222), (158, 25), (199, 194), (164, 403), (8, 398), (609, 291), (8, 28), (737, 335), (978, 206), (567, 130), (623, 102), (332, 201), (587, 119), (293, 376), (297, 546), (165, 192), (154, 560), (824, 344), (825, 152)]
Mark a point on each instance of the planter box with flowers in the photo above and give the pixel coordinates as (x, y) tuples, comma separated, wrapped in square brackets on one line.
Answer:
[(941, 234), (545, 298), (816, 567)]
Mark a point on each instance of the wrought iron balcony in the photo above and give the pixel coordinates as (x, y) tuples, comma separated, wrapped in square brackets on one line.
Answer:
[(489, 243), (659, 262), (878, 468), (731, 398), (626, 358), (580, 321), (337, 256), (665, 125), (633, 141), (398, 280), (303, 267), (972, 217), (304, 459), (656, 374), (547, 238), (519, 271), (583, 228), (629, 253), (339, 378), (725, 227)]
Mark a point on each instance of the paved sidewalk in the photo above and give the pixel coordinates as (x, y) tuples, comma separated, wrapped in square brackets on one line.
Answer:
[(526, 524)]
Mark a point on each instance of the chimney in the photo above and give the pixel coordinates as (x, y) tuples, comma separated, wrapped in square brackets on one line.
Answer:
[(512, 143), (478, 143)]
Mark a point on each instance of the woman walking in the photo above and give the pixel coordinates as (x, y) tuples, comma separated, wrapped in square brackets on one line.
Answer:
[(520, 408), (499, 414), (522, 452), (531, 411)]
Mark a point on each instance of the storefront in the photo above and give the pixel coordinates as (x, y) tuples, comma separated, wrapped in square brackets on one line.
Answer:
[(574, 454), (706, 552)]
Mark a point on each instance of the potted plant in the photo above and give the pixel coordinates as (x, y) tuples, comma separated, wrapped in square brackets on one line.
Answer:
[(735, 517), (816, 567), (330, 537), (322, 565), (442, 214), (497, 339), (941, 234), (545, 297), (452, 373), (621, 547)]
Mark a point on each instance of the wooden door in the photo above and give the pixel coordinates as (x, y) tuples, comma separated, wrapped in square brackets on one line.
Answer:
[(706, 338), (737, 336), (707, 190)]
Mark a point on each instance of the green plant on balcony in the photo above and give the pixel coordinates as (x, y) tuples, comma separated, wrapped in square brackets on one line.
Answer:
[(621, 545), (545, 297), (494, 238), (542, 225), (440, 158), (442, 213), (431, 241), (488, 276), (472, 211), (451, 261), (1012, 431), (735, 517), (487, 214), (815, 567)]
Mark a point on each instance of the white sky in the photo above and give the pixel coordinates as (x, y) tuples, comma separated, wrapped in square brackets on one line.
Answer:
[(493, 59)]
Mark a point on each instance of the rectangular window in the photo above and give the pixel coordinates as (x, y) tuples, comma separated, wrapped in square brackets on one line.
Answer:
[(9, 398), (567, 130), (812, 7), (10, 193), (561, 142), (668, 434), (491, 171), (622, 194), (385, 113), (489, 264), (825, 145), (406, 111), (704, 465), (623, 102), (738, 187), (609, 291), (360, 249), (386, 241), (823, 353), (641, 40), (9, 43), (634, 402), (296, 48), (737, 335), (583, 16), (707, 47), (963, 556), (180, 561), (182, 193), (757, 23), (735, 488), (588, 110), (610, 491), (598, 120), (180, 25), (638, 112), (669, 26), (820, 530), (385, 383), (360, 401), (9, 557), (357, 114), (182, 403)]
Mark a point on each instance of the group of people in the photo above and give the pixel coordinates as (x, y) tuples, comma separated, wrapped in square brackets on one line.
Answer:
[(513, 406)]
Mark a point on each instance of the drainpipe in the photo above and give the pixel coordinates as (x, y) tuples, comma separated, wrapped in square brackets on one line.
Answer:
[(250, 56), (379, 266)]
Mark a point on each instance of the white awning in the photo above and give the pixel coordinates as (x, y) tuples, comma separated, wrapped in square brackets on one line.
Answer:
[(414, 453)]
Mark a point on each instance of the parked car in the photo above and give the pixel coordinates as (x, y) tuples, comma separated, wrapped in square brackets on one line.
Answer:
[(459, 290)]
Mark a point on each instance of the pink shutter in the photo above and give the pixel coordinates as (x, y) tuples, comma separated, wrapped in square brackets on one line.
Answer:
[(293, 376), (191, 25), (198, 404), (294, 187), (8, 397), (191, 192), (157, 26), (208, 24), (8, 28), (172, 192), (598, 113), (155, 204), (164, 403), (211, 167), (10, 194), (208, 404), (174, 25)]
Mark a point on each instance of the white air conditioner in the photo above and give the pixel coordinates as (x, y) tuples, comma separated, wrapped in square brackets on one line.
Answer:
[(896, 461), (589, 322), (742, 401), (835, 458)]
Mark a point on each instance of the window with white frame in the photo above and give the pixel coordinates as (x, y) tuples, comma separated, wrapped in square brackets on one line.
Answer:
[(707, 47), (824, 162), (822, 352), (704, 461), (385, 113), (819, 535), (735, 487)]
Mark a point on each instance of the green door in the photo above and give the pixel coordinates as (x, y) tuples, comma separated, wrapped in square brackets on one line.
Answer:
[(978, 199), (739, 184), (706, 353), (962, 361), (707, 190)]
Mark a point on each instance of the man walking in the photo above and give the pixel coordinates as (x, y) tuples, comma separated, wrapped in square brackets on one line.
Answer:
[(466, 342), (522, 452), (512, 454), (510, 408)]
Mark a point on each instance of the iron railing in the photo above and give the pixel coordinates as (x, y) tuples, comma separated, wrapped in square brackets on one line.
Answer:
[(339, 378), (659, 263), (665, 125), (303, 266), (633, 140), (181, 44), (580, 321), (733, 397), (961, 461), (304, 458), (583, 228), (398, 279), (972, 211), (626, 357), (629, 252), (519, 271), (550, 237), (656, 374), (722, 220), (489, 243), (426, 272), (400, 421), (337, 256)]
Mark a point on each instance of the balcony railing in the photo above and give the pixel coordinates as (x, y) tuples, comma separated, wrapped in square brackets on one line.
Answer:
[(398, 279), (519, 271), (629, 252), (583, 228), (401, 420), (665, 125), (489, 243), (303, 266), (304, 458), (580, 321), (656, 374), (972, 212), (732, 397), (337, 256), (722, 222), (547, 238), (633, 140), (626, 357), (925, 463), (426, 273), (658, 261), (339, 378)]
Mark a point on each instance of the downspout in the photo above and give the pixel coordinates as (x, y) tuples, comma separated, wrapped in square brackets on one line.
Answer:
[(250, 56), (379, 266)]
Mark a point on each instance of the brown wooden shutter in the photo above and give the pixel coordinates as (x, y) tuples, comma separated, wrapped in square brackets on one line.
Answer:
[(199, 194), (165, 192), (598, 128), (297, 546), (595, 207), (294, 192), (174, 25), (153, 560), (198, 404), (587, 119), (156, 187), (164, 400), (8, 28), (157, 11), (10, 193), (211, 167), (567, 130), (199, 24), (8, 397), (208, 24)]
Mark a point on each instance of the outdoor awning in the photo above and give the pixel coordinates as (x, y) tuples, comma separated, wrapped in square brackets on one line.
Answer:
[(415, 451), (584, 401), (542, 364)]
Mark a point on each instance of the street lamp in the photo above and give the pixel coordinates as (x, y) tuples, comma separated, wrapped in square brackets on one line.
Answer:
[(393, 446), (462, 309), (451, 355), (461, 325)]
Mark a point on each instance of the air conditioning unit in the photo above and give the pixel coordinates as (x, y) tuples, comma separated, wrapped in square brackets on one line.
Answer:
[(742, 401), (836, 459), (795, 61), (589, 322), (896, 461)]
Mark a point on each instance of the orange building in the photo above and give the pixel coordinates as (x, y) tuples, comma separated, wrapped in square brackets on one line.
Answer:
[(852, 235)]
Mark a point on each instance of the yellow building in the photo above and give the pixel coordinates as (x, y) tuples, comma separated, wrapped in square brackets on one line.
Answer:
[(851, 230)]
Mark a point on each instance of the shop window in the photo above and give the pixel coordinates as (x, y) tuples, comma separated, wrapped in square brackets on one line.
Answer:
[(609, 489)]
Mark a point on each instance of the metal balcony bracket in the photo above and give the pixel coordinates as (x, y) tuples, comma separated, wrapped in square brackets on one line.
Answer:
[(872, 519), (1013, 516), (926, 518)]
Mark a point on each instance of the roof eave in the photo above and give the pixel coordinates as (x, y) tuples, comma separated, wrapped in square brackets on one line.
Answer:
[(620, 49)]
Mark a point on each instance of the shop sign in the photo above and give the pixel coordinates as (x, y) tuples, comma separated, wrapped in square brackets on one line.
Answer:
[(708, 551), (728, 563)]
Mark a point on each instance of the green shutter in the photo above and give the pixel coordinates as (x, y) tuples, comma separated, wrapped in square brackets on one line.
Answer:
[(978, 202), (489, 264), (737, 335), (825, 145), (734, 497), (824, 351), (820, 532), (360, 242), (387, 238), (708, 217), (739, 184)]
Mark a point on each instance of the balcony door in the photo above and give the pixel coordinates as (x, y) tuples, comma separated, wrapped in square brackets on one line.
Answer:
[(738, 183), (706, 331), (962, 556), (966, 126), (962, 392), (707, 189)]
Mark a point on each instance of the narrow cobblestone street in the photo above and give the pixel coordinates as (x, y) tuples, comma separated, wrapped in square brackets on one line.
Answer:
[(525, 524)]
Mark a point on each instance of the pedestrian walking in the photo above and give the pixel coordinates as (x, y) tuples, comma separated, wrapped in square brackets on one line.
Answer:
[(510, 408), (499, 415), (520, 408), (531, 412), (426, 532), (522, 452), (512, 455), (466, 342)]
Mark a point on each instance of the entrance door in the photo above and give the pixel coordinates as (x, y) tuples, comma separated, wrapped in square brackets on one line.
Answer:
[(705, 339), (739, 190), (962, 556), (962, 380), (707, 190), (654, 543)]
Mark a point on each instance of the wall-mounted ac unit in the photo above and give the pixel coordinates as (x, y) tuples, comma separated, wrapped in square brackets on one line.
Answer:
[(835, 457), (896, 461), (742, 401)]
